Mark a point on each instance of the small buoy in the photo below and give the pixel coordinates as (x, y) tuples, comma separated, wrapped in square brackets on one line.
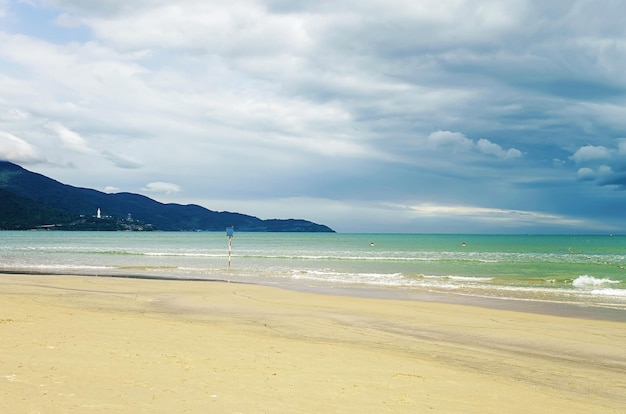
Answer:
[(372, 244), (463, 244)]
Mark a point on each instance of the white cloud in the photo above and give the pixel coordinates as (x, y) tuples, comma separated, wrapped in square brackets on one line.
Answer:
[(447, 139), (67, 20), (16, 149), (162, 187), (590, 153), (70, 139), (458, 142), (604, 175), (121, 161), (4, 4), (514, 218), (31, 3), (232, 27), (603, 166), (13, 114), (605, 170), (487, 147), (586, 174), (111, 189)]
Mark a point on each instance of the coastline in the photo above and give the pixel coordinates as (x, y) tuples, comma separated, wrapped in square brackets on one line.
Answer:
[(578, 309), (152, 345)]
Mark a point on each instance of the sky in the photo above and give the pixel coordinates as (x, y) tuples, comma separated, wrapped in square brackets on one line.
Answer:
[(421, 116)]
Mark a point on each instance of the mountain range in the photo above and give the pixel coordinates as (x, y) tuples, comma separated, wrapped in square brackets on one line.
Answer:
[(30, 200)]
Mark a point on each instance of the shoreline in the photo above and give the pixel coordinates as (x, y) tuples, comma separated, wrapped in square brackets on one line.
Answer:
[(102, 344), (579, 310), (552, 308)]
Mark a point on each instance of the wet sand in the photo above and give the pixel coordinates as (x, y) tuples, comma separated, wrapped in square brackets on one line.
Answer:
[(89, 344)]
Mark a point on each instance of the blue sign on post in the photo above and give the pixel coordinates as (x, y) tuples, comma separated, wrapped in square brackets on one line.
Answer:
[(230, 231)]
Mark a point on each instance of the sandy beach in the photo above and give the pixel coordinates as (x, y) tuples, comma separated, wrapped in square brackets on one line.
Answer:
[(90, 344)]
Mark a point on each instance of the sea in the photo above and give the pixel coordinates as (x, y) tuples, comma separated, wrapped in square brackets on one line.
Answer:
[(585, 270)]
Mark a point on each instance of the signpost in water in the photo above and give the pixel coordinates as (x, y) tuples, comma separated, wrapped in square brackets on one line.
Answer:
[(230, 232)]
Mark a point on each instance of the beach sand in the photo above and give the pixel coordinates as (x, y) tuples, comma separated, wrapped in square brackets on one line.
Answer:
[(95, 344)]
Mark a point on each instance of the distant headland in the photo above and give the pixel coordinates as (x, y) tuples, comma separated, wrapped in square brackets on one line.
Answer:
[(34, 201)]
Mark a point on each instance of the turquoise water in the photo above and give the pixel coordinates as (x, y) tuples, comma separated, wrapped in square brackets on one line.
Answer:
[(561, 268)]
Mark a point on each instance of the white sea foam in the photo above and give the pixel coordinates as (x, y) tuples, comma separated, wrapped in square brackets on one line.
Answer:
[(183, 254), (470, 279), (391, 279), (586, 281), (610, 292), (56, 267)]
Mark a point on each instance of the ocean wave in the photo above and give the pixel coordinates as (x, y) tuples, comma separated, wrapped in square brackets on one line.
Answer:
[(182, 254), (586, 281), (470, 278), (610, 292), (390, 279)]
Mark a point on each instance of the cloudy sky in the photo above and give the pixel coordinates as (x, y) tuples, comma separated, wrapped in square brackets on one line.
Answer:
[(364, 115)]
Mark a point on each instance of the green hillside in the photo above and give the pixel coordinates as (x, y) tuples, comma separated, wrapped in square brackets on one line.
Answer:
[(31, 200)]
